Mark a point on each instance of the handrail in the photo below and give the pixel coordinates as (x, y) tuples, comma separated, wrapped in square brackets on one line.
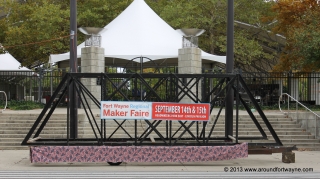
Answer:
[(280, 99), (6, 101), (295, 101)]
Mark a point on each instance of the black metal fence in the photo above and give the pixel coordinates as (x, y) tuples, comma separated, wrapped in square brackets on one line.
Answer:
[(265, 87), (304, 87)]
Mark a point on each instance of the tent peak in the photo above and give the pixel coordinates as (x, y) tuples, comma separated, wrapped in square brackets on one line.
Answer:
[(139, 31)]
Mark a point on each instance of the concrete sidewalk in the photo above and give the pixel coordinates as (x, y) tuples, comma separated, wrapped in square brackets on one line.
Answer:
[(14, 160)]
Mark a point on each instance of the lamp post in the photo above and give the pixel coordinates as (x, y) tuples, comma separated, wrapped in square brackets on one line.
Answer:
[(190, 37), (92, 61), (73, 63), (229, 70), (189, 60), (93, 35)]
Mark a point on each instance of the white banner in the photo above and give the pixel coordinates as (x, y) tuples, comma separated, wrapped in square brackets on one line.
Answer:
[(125, 110)]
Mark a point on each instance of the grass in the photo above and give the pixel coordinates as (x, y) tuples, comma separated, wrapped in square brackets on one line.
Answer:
[(21, 105)]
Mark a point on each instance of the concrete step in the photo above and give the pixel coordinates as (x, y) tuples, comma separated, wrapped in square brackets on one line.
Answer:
[(25, 132), (303, 145), (27, 118), (216, 133), (259, 119), (249, 131), (174, 126), (300, 148), (13, 129), (295, 137), (260, 122), (111, 123), (57, 120), (53, 136), (14, 147), (35, 116), (257, 115), (6, 145), (29, 121), (29, 114), (17, 141), (64, 116), (252, 125), (285, 140), (46, 128), (21, 126), (10, 143)]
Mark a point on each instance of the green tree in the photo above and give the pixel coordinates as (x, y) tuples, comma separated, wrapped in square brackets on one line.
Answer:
[(98, 13), (211, 15), (298, 21), (306, 40), (34, 21), (48, 22)]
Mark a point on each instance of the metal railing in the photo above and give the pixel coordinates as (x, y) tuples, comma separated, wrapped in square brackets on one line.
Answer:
[(290, 98), (5, 106), (304, 87), (267, 87)]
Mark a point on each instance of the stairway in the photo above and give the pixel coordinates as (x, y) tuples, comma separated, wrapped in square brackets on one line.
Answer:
[(289, 131), (14, 127)]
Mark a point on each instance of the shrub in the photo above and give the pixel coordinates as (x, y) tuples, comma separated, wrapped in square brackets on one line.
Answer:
[(22, 105)]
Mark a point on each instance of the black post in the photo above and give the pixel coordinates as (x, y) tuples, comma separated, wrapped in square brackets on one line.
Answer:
[(229, 69), (73, 63), (41, 73)]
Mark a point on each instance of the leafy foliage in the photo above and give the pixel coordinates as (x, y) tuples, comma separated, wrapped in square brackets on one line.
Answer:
[(34, 21), (48, 22), (299, 22), (22, 105), (307, 40), (211, 15)]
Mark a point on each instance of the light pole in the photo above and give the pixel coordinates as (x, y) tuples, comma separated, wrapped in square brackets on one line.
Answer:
[(73, 63), (229, 70)]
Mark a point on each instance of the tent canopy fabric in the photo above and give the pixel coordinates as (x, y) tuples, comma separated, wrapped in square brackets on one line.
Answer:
[(9, 63), (139, 32)]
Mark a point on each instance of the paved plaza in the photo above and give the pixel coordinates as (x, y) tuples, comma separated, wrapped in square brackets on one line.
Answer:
[(305, 160)]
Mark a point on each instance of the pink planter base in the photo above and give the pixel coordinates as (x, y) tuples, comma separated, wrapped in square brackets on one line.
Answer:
[(55, 154)]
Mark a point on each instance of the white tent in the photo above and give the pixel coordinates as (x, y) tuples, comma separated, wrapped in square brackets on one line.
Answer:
[(9, 63), (139, 32), (11, 73)]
